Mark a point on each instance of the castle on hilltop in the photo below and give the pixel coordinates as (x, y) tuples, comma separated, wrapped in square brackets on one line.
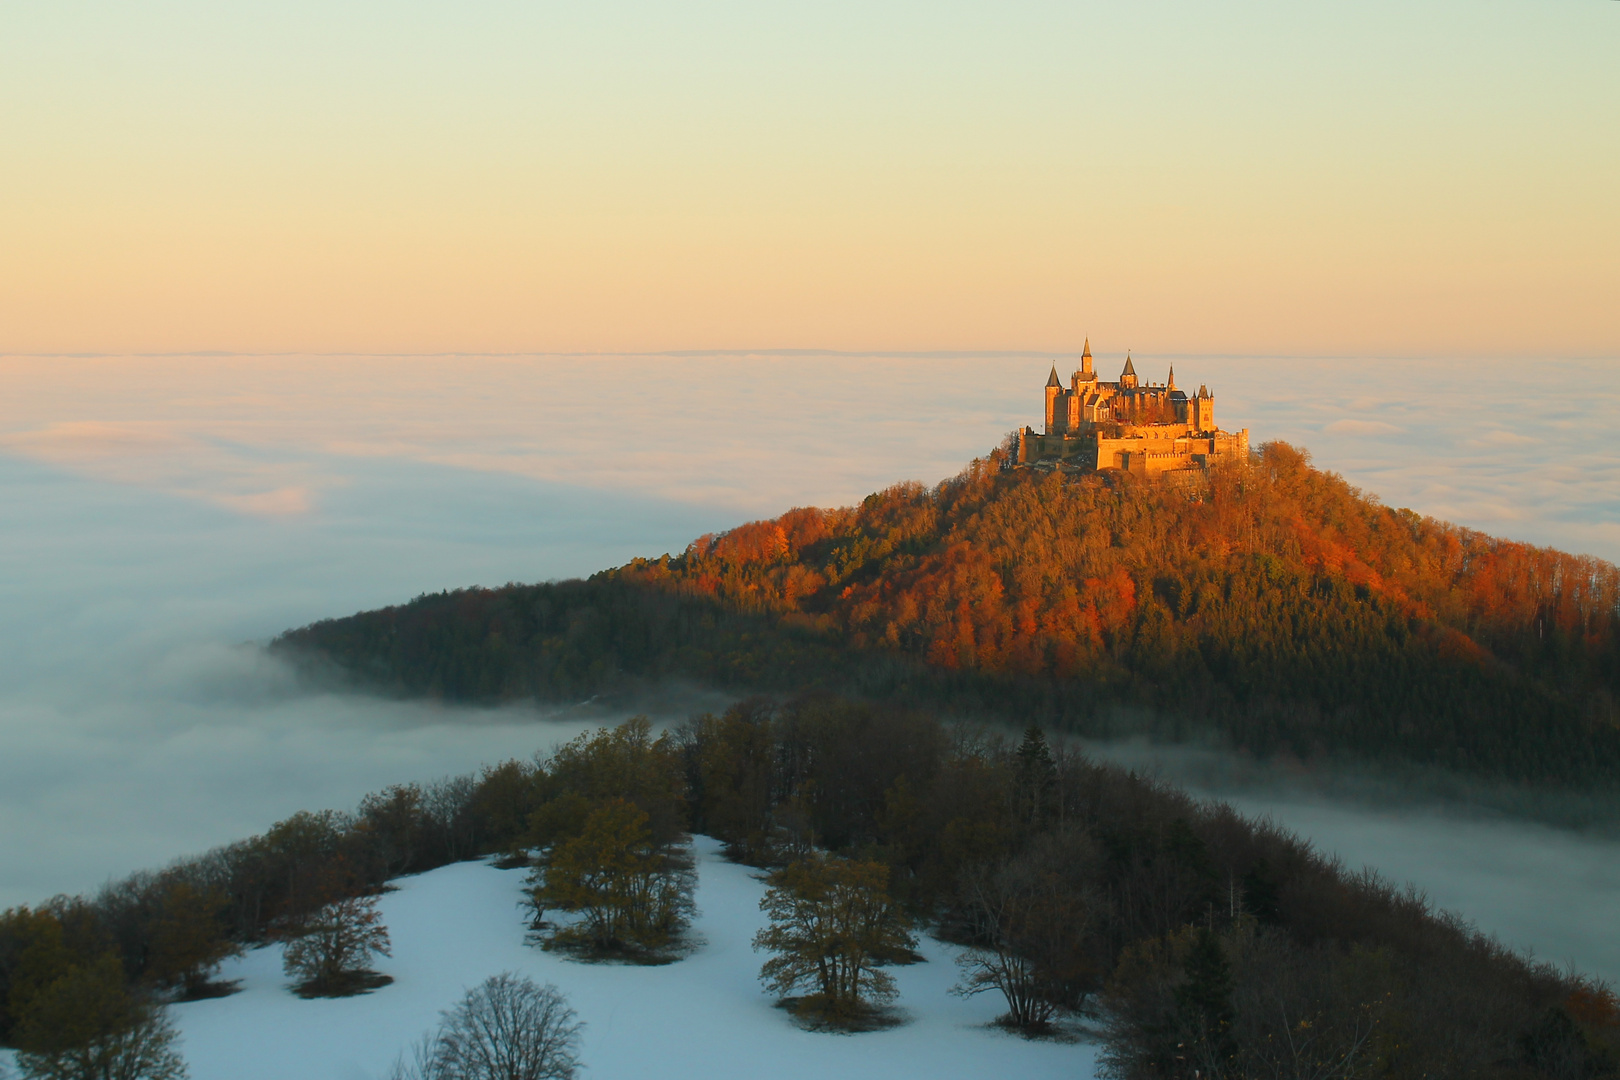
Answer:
[(1143, 428)]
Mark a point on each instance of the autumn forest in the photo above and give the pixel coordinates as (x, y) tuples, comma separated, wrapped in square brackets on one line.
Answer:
[(1273, 605)]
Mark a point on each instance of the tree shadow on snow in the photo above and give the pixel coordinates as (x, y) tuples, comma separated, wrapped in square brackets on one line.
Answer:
[(813, 1013), (348, 984)]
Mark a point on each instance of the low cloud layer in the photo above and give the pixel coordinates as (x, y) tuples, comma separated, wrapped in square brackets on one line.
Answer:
[(164, 457), (1518, 447), (1522, 449), (138, 722), (1554, 893), (166, 511)]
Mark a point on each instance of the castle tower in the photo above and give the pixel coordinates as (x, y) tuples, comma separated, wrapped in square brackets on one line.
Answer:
[(1127, 378), (1181, 409), (1053, 390), (1204, 410), (1085, 363)]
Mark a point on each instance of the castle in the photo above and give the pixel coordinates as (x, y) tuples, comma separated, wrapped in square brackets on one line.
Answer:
[(1147, 429)]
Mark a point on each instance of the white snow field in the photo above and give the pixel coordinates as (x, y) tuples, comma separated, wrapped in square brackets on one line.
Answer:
[(705, 1016)]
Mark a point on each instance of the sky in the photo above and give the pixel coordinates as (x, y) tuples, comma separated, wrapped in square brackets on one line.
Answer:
[(1256, 178)]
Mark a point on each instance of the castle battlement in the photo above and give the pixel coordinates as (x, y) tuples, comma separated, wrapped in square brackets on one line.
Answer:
[(1144, 428)]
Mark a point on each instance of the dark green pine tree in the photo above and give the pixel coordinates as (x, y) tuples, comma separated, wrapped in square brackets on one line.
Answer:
[(1204, 1003), (1262, 893), (1037, 776)]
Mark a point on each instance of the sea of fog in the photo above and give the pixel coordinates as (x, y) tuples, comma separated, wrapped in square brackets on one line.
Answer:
[(161, 515)]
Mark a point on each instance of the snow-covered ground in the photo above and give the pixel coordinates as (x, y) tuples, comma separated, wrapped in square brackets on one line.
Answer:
[(704, 1016)]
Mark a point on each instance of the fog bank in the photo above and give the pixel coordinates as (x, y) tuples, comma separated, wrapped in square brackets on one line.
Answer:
[(140, 719), (162, 512), (1553, 892)]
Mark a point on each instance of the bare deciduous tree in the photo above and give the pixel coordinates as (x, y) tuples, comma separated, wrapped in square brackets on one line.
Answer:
[(506, 1028), (833, 925), (328, 947), (189, 940), (633, 893), (1032, 927)]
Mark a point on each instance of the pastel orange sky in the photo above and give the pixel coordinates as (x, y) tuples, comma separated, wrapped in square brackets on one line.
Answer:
[(1324, 179)]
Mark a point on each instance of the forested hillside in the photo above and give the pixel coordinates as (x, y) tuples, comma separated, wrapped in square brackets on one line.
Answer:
[(1203, 943), (1274, 604)]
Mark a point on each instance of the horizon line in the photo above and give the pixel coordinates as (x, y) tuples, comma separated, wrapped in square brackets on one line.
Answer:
[(897, 354)]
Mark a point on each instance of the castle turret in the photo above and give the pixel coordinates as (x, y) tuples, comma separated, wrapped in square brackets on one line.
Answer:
[(1054, 388), (1085, 363), (1203, 412), (1182, 410), (1127, 378)]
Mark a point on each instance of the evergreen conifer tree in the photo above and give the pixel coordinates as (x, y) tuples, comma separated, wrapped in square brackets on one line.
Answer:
[(1037, 773), (1204, 1003)]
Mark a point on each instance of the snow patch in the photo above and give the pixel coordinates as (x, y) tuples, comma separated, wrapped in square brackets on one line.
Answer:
[(705, 1016)]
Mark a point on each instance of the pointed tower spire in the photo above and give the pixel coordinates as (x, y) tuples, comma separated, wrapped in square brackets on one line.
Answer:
[(1087, 351), (1171, 385), (1055, 416), (1130, 368), (1085, 361)]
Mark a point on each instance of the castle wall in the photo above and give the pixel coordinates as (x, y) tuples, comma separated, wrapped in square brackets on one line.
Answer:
[(1151, 450)]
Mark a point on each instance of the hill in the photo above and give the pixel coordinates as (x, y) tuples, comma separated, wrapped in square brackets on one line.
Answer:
[(1275, 605), (704, 1017), (1174, 926)]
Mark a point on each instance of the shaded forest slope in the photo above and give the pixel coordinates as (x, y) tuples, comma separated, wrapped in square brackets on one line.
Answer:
[(1275, 605)]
